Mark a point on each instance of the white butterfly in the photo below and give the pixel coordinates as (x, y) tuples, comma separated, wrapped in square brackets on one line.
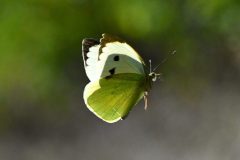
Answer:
[(118, 77)]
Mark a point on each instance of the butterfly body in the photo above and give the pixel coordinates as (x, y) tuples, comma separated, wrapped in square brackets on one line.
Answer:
[(118, 77)]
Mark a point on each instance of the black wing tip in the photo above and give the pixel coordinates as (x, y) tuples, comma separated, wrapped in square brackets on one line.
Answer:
[(88, 43), (107, 38)]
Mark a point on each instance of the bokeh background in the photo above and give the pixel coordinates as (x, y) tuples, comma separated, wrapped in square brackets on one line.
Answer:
[(193, 114)]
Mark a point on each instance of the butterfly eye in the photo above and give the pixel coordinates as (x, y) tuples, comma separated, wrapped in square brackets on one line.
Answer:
[(116, 58)]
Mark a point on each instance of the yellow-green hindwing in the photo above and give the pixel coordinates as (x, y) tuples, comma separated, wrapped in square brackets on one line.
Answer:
[(111, 98)]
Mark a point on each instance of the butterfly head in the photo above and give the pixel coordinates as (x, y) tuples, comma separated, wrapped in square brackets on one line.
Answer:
[(154, 76)]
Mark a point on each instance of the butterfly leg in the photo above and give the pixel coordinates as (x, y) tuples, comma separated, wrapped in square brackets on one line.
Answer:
[(145, 100)]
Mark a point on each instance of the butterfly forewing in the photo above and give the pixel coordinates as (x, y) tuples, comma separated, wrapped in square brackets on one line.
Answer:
[(98, 63)]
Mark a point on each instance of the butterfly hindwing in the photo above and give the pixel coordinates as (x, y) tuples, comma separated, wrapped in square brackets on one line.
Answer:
[(112, 98)]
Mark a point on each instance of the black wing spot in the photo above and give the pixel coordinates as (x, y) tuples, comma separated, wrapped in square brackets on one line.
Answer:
[(112, 71), (116, 58)]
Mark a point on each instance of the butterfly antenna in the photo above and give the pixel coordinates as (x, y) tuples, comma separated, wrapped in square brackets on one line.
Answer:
[(150, 66), (165, 59)]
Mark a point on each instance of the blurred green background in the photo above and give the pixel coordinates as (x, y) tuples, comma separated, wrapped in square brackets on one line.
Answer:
[(193, 113)]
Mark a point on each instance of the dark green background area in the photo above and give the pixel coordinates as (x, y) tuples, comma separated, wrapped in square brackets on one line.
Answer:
[(193, 112)]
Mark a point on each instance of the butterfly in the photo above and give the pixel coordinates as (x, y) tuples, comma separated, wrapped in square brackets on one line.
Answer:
[(118, 77)]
